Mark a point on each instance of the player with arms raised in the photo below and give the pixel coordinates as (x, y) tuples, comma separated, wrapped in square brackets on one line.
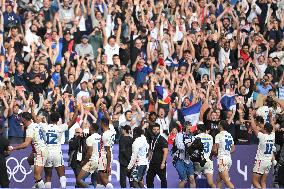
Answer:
[(35, 137), (264, 156), (223, 147), (106, 155), (53, 133)]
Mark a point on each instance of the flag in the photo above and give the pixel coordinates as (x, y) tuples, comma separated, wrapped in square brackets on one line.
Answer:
[(228, 102), (163, 94), (169, 62), (191, 113)]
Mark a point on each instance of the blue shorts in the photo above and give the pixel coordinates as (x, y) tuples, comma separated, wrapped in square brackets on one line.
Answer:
[(184, 170), (139, 172)]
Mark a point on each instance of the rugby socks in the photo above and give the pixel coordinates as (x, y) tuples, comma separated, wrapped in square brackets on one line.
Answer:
[(100, 186), (109, 185), (63, 181), (48, 185), (40, 184)]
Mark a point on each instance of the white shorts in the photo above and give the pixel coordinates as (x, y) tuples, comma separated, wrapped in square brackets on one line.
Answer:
[(102, 164), (224, 163), (55, 159), (40, 157), (207, 169), (262, 166), (91, 166)]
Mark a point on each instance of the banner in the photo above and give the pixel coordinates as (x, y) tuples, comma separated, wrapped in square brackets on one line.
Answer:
[(21, 176)]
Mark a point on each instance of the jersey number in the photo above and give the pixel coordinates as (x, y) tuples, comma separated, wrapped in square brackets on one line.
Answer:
[(51, 138), (228, 145), (206, 147), (40, 134), (268, 148)]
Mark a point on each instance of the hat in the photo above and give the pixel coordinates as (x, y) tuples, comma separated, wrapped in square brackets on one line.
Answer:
[(83, 80), (85, 37), (67, 32)]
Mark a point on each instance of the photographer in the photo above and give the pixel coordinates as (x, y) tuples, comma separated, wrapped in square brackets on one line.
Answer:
[(77, 150), (181, 160)]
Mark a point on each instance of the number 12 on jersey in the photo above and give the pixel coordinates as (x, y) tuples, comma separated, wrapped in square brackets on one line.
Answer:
[(269, 148), (228, 145)]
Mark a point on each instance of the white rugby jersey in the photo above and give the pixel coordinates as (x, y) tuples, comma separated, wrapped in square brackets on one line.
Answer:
[(108, 139), (225, 141), (207, 141), (53, 134), (140, 148), (265, 146), (35, 132), (94, 141)]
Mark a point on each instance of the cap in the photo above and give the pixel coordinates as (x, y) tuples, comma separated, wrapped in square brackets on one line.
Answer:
[(67, 32), (83, 81), (85, 37)]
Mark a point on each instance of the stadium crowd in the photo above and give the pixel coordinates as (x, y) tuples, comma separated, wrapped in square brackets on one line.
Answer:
[(156, 66)]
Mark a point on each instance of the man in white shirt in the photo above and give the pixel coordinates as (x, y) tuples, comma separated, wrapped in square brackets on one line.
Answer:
[(53, 133), (111, 44), (91, 161), (34, 136), (223, 147), (139, 160), (207, 141), (264, 156)]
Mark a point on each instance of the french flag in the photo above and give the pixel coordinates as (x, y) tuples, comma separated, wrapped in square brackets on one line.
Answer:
[(191, 113), (163, 94), (228, 102)]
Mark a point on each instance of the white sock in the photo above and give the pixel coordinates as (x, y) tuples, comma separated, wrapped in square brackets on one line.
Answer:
[(40, 184), (109, 185), (100, 186), (48, 185), (32, 168), (63, 181)]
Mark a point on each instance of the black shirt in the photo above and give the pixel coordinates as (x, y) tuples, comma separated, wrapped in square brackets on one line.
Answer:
[(125, 150), (157, 147), (4, 143)]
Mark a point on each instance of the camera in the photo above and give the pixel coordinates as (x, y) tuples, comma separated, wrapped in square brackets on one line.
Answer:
[(195, 152)]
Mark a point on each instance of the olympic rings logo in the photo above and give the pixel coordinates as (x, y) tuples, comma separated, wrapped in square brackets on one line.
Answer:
[(18, 167)]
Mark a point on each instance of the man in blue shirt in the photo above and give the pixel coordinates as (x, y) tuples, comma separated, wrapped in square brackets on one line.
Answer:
[(140, 70), (10, 17), (15, 131)]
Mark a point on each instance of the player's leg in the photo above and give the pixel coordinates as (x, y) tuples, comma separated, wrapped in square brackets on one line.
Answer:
[(210, 180), (79, 180), (61, 174), (48, 176), (258, 171), (208, 172), (256, 180), (219, 181), (263, 180), (60, 169), (225, 177), (37, 176)]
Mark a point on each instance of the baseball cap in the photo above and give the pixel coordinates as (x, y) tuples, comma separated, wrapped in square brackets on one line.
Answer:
[(85, 37)]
